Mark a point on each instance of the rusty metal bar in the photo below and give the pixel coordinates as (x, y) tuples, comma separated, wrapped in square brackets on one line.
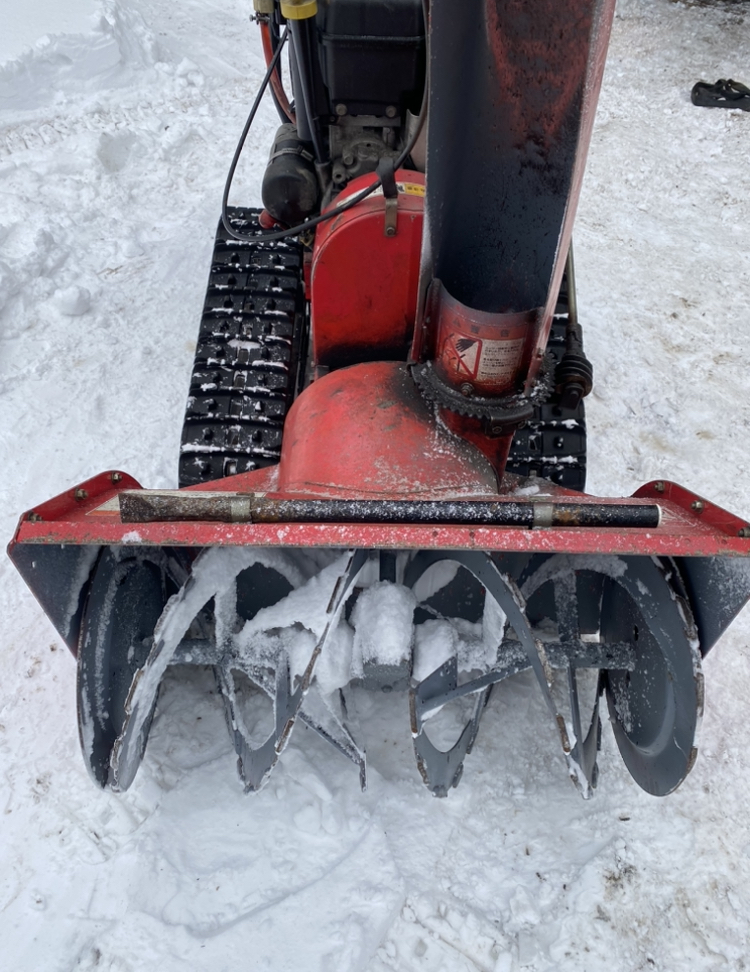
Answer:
[(148, 506)]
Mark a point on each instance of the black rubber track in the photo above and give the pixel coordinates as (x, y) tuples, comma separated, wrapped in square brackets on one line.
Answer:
[(247, 359)]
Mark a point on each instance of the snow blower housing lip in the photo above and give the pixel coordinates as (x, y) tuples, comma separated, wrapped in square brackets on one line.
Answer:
[(689, 526)]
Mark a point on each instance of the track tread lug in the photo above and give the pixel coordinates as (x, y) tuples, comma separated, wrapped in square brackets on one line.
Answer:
[(246, 365)]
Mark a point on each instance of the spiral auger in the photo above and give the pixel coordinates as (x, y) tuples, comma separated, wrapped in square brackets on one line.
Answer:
[(623, 620)]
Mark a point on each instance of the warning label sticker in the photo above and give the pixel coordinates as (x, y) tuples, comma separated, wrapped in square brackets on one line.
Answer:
[(499, 360), (410, 188), (462, 354), (482, 360)]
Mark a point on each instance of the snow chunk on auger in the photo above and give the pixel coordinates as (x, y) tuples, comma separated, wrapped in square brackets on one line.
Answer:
[(384, 440)]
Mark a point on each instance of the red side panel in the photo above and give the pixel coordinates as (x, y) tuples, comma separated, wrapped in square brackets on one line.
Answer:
[(364, 283)]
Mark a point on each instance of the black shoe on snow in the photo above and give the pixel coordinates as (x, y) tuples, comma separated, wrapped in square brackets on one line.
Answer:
[(723, 94)]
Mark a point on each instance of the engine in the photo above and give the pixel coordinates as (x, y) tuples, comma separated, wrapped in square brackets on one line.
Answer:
[(358, 71)]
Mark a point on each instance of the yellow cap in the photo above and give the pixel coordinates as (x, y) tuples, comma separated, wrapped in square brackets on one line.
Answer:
[(298, 9), (263, 6)]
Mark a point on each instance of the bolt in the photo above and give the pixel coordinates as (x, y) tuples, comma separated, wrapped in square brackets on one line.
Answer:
[(391, 111), (659, 486), (81, 494), (116, 477), (347, 158), (744, 531), (390, 231), (340, 110), (466, 389), (34, 518), (697, 505)]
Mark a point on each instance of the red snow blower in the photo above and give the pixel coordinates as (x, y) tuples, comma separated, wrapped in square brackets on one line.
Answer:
[(383, 454)]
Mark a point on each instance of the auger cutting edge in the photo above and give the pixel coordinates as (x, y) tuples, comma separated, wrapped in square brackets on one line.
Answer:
[(384, 445)]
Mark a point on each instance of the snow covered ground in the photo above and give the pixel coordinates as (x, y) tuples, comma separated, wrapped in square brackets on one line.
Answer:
[(24, 26), (114, 144)]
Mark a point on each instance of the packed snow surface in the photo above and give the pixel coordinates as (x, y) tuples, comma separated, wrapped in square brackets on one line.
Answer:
[(115, 135)]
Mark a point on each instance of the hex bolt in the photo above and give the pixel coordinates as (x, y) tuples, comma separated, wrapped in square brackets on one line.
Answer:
[(466, 389), (116, 477), (390, 231), (744, 531), (81, 494), (34, 518), (697, 505), (341, 110), (659, 486)]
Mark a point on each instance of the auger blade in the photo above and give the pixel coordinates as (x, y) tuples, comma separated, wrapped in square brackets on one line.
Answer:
[(440, 769), (211, 574), (656, 699), (331, 718), (255, 763)]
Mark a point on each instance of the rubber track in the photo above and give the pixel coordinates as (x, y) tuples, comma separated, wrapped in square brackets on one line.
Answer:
[(247, 367)]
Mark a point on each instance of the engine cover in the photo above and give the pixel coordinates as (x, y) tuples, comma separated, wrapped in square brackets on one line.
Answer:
[(372, 55)]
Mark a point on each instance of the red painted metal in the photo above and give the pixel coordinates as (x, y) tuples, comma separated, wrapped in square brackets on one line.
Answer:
[(685, 531), (496, 448), (596, 56), (365, 432), (363, 283)]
